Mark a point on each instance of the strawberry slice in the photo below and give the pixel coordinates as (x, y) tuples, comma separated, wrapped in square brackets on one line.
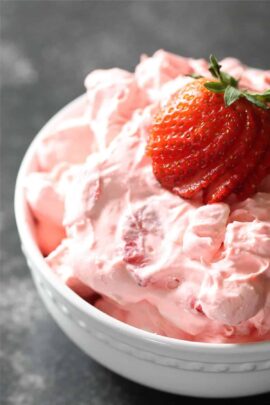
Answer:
[(217, 168), (232, 178), (251, 184)]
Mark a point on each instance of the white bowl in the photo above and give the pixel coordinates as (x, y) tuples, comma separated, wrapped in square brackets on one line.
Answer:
[(176, 366)]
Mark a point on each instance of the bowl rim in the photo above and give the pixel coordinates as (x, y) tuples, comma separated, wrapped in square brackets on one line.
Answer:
[(31, 249)]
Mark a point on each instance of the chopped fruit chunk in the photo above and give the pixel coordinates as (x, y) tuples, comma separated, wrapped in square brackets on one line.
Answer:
[(138, 228)]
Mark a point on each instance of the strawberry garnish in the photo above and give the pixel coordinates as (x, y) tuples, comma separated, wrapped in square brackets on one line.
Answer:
[(212, 136), (262, 169)]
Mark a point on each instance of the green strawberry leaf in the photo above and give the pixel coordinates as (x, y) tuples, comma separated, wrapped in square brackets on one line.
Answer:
[(255, 100), (231, 95), (215, 87), (214, 67), (266, 93), (265, 96), (228, 85), (195, 76), (228, 80)]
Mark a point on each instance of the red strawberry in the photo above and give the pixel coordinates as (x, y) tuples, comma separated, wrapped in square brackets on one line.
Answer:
[(218, 167), (197, 142), (250, 184), (236, 176)]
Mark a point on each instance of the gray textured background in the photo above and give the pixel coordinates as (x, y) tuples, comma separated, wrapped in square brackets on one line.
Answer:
[(47, 47)]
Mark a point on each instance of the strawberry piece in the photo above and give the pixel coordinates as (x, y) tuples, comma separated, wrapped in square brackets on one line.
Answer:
[(136, 228), (250, 186), (217, 168), (225, 185), (133, 238), (197, 143), (134, 252), (251, 183), (185, 135)]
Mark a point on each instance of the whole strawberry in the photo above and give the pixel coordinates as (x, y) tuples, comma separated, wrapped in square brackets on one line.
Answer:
[(212, 136)]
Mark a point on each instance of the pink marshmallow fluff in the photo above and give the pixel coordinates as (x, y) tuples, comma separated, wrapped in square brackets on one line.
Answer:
[(141, 254)]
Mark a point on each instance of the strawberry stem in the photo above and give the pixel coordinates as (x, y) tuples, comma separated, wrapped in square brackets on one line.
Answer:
[(228, 85)]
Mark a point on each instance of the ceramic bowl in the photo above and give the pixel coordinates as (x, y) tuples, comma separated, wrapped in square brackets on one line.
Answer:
[(176, 366)]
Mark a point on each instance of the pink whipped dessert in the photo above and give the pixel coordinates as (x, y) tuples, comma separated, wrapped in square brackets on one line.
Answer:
[(136, 251)]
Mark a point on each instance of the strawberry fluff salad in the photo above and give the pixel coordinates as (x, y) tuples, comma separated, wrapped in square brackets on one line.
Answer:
[(137, 252)]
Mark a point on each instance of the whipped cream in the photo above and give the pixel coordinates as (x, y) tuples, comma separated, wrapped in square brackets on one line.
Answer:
[(151, 259)]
